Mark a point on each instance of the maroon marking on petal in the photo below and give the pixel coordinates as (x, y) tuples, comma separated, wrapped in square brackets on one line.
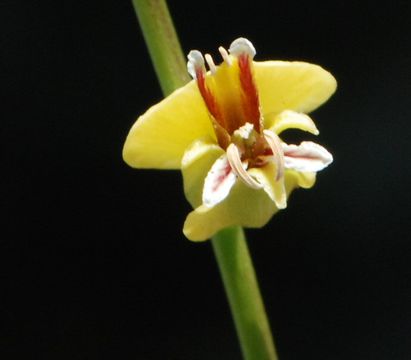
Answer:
[(267, 152), (294, 154), (220, 179), (208, 97), (251, 100), (215, 114)]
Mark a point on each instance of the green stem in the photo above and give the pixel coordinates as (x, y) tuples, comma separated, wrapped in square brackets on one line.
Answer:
[(229, 245), (237, 271), (162, 42)]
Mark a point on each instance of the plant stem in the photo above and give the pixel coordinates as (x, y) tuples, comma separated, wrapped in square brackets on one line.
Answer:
[(162, 42), (247, 308), (229, 245)]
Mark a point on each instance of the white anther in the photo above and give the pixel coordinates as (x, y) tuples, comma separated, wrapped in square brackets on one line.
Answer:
[(210, 63), (195, 61), (225, 55), (233, 156), (276, 147), (241, 46)]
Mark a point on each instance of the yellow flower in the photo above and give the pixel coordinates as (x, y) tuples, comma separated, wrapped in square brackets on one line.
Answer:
[(221, 130)]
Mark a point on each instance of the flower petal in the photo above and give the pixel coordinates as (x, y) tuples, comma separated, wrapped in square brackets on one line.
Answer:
[(307, 156), (219, 181), (275, 189), (159, 138), (244, 206), (295, 86), (195, 165), (304, 180), (289, 119)]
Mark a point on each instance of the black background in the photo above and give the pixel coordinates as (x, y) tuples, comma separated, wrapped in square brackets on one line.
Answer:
[(93, 262)]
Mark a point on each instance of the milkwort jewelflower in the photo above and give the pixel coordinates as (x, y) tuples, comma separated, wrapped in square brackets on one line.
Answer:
[(222, 130)]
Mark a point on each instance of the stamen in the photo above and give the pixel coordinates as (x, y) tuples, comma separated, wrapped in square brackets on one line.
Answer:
[(233, 156), (195, 63), (275, 144), (241, 46), (196, 69), (210, 63), (244, 51), (225, 55)]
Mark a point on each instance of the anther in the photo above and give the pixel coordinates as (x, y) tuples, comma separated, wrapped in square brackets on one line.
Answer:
[(195, 63), (225, 55), (210, 63), (241, 46)]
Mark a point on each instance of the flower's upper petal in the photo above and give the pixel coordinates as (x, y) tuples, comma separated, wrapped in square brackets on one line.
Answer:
[(195, 165), (275, 189), (307, 156), (297, 86), (289, 119), (159, 138)]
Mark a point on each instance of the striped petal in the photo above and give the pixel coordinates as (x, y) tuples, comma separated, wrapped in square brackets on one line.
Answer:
[(219, 181), (306, 157)]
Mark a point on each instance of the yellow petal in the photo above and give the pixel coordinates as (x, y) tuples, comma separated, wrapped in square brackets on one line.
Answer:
[(159, 138), (244, 207), (290, 120), (266, 176), (294, 179), (297, 86), (195, 165)]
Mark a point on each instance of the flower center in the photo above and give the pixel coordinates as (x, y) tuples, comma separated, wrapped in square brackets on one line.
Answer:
[(231, 96), (229, 91), (255, 149)]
